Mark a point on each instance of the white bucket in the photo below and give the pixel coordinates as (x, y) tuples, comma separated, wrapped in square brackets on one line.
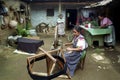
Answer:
[(32, 32)]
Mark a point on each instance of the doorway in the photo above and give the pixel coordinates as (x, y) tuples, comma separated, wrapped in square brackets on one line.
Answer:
[(71, 17)]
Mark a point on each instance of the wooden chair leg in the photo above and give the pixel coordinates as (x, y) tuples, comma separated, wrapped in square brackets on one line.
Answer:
[(68, 74), (48, 65), (82, 62)]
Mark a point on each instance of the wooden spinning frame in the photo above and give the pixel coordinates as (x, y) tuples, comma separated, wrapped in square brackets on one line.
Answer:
[(51, 61)]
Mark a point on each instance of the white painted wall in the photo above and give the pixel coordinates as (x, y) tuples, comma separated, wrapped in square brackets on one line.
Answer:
[(38, 14)]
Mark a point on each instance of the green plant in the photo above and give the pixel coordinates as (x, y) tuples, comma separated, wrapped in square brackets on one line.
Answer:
[(21, 30), (28, 25)]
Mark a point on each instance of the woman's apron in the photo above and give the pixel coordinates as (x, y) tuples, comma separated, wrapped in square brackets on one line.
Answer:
[(72, 59), (110, 38)]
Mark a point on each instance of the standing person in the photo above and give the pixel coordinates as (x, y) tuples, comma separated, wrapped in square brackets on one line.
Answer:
[(73, 54), (61, 25), (109, 39)]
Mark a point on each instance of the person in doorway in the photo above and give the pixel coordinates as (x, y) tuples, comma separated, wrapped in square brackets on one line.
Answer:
[(109, 39), (61, 25), (73, 53)]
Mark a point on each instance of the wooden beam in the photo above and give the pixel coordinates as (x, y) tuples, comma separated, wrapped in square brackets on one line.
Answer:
[(50, 56), (64, 3)]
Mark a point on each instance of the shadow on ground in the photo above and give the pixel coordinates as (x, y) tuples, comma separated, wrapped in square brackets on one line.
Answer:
[(114, 58)]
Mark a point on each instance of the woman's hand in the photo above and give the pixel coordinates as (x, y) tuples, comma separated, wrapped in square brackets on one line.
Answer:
[(69, 49), (67, 44), (73, 49)]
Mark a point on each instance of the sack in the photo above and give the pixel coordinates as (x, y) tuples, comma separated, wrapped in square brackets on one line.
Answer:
[(13, 23)]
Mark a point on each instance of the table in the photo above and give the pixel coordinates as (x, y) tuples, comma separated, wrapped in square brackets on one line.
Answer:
[(95, 36), (29, 45)]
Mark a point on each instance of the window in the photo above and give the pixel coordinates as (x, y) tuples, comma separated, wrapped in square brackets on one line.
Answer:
[(50, 12)]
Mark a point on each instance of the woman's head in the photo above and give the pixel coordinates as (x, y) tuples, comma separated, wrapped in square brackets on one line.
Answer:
[(60, 16), (77, 30), (101, 16)]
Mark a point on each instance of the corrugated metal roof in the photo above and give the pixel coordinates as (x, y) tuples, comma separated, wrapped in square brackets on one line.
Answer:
[(86, 3), (100, 3), (61, 0)]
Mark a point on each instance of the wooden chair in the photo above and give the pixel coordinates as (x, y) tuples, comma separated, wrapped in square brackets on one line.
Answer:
[(82, 59)]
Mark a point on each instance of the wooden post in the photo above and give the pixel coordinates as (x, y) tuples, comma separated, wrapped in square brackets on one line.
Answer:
[(52, 58), (60, 9)]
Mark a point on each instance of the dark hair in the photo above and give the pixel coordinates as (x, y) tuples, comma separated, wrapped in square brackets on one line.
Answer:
[(60, 15), (102, 15), (77, 28)]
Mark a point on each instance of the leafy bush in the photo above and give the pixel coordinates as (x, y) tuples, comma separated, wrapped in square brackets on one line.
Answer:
[(22, 31)]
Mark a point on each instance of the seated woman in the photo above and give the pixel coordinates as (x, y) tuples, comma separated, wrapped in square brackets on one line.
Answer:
[(73, 54)]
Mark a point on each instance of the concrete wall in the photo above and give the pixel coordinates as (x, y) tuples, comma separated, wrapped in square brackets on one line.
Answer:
[(38, 14)]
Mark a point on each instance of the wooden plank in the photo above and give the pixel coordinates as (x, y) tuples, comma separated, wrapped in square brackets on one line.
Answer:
[(64, 3), (52, 58), (48, 65)]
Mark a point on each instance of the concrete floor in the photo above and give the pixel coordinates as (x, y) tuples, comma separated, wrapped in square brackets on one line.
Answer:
[(100, 64)]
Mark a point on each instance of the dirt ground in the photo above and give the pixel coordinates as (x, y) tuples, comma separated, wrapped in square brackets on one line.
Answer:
[(100, 64)]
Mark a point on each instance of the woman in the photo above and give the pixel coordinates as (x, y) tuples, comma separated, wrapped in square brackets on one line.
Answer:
[(109, 39), (61, 25), (72, 55)]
